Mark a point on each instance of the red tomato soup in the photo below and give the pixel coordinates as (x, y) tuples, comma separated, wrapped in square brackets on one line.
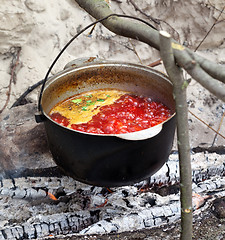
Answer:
[(109, 112)]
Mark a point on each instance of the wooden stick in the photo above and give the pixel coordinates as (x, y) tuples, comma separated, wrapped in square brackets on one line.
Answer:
[(131, 29), (179, 90)]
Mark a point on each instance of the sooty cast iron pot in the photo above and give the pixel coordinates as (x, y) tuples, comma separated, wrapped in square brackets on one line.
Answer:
[(109, 160)]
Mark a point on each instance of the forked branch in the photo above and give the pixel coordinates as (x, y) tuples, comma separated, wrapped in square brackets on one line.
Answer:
[(207, 73)]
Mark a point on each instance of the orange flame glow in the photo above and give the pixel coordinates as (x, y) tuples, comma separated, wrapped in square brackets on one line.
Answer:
[(103, 204), (52, 196)]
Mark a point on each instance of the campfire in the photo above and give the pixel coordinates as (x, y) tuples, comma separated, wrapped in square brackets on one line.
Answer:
[(37, 200)]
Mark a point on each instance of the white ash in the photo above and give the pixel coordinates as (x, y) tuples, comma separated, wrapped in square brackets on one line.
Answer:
[(204, 165), (84, 209), (139, 216)]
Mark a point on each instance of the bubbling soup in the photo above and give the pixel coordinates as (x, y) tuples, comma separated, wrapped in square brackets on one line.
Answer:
[(109, 111)]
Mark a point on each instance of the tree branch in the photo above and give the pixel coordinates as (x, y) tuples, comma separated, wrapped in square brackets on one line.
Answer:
[(156, 21), (131, 29), (174, 56), (215, 70), (179, 90), (15, 62), (194, 69)]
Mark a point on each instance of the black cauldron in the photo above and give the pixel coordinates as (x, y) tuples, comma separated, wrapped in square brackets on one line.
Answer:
[(115, 159)]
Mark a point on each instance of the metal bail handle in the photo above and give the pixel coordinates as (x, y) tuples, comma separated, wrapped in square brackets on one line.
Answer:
[(65, 47), (72, 39)]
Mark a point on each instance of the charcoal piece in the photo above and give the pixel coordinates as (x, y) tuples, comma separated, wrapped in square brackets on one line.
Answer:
[(64, 225), (29, 231), (2, 234), (45, 229), (15, 233), (158, 221), (20, 193), (7, 233), (151, 201), (38, 230), (51, 228), (149, 222), (167, 211), (218, 207)]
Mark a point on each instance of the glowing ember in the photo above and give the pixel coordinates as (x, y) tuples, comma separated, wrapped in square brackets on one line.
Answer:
[(199, 200), (52, 196), (103, 204)]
